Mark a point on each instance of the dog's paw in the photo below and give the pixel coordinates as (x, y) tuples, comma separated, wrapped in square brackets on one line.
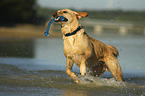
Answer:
[(77, 81)]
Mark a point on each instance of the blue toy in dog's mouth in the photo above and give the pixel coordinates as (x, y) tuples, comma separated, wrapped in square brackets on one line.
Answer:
[(60, 18)]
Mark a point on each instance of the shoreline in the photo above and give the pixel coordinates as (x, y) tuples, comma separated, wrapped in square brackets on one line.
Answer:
[(29, 31), (25, 31)]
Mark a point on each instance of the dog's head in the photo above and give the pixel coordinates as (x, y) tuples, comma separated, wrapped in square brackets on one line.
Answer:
[(69, 15)]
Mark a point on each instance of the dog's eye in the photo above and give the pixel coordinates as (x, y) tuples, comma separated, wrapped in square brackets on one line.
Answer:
[(65, 12)]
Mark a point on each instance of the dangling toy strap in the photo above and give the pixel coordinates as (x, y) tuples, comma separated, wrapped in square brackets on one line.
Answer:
[(60, 18)]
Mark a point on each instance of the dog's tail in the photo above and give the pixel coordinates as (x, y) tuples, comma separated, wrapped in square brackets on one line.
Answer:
[(114, 50)]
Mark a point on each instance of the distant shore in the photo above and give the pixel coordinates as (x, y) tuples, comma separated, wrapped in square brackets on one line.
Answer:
[(29, 31), (25, 31)]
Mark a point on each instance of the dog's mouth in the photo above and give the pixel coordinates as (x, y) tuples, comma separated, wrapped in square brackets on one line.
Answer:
[(58, 20), (54, 14)]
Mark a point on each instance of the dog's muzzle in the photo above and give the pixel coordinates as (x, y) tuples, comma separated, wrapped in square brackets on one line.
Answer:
[(54, 14)]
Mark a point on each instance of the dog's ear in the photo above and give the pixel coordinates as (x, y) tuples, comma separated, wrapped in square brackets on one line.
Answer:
[(81, 14)]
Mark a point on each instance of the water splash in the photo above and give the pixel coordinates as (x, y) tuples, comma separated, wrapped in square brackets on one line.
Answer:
[(97, 81)]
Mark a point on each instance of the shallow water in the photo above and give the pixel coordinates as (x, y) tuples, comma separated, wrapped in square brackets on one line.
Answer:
[(38, 69)]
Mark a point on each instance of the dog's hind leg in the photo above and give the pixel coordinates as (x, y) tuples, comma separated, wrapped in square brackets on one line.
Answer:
[(69, 72), (114, 67)]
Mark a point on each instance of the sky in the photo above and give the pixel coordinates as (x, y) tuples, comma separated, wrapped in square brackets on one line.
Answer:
[(94, 4)]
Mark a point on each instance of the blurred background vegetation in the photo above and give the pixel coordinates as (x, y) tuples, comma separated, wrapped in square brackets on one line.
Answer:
[(28, 11), (17, 11), (27, 19)]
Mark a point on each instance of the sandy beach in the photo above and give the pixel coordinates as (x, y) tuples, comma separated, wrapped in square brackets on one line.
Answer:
[(25, 31)]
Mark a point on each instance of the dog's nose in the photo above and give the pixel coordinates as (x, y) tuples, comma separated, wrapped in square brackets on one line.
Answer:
[(54, 14)]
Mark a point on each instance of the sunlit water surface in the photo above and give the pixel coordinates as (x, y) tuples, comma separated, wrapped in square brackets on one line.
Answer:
[(37, 68)]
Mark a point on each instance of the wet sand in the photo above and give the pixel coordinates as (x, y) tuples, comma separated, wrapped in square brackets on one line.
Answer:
[(25, 31)]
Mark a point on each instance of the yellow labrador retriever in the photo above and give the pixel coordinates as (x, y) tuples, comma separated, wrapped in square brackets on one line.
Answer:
[(84, 51)]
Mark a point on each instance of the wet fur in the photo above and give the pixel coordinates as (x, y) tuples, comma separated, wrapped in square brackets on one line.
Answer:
[(85, 51)]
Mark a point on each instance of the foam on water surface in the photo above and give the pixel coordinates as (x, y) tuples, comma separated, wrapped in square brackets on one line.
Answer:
[(97, 81)]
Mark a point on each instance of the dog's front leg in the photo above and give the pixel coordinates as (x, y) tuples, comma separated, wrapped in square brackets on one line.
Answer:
[(83, 68), (69, 72)]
